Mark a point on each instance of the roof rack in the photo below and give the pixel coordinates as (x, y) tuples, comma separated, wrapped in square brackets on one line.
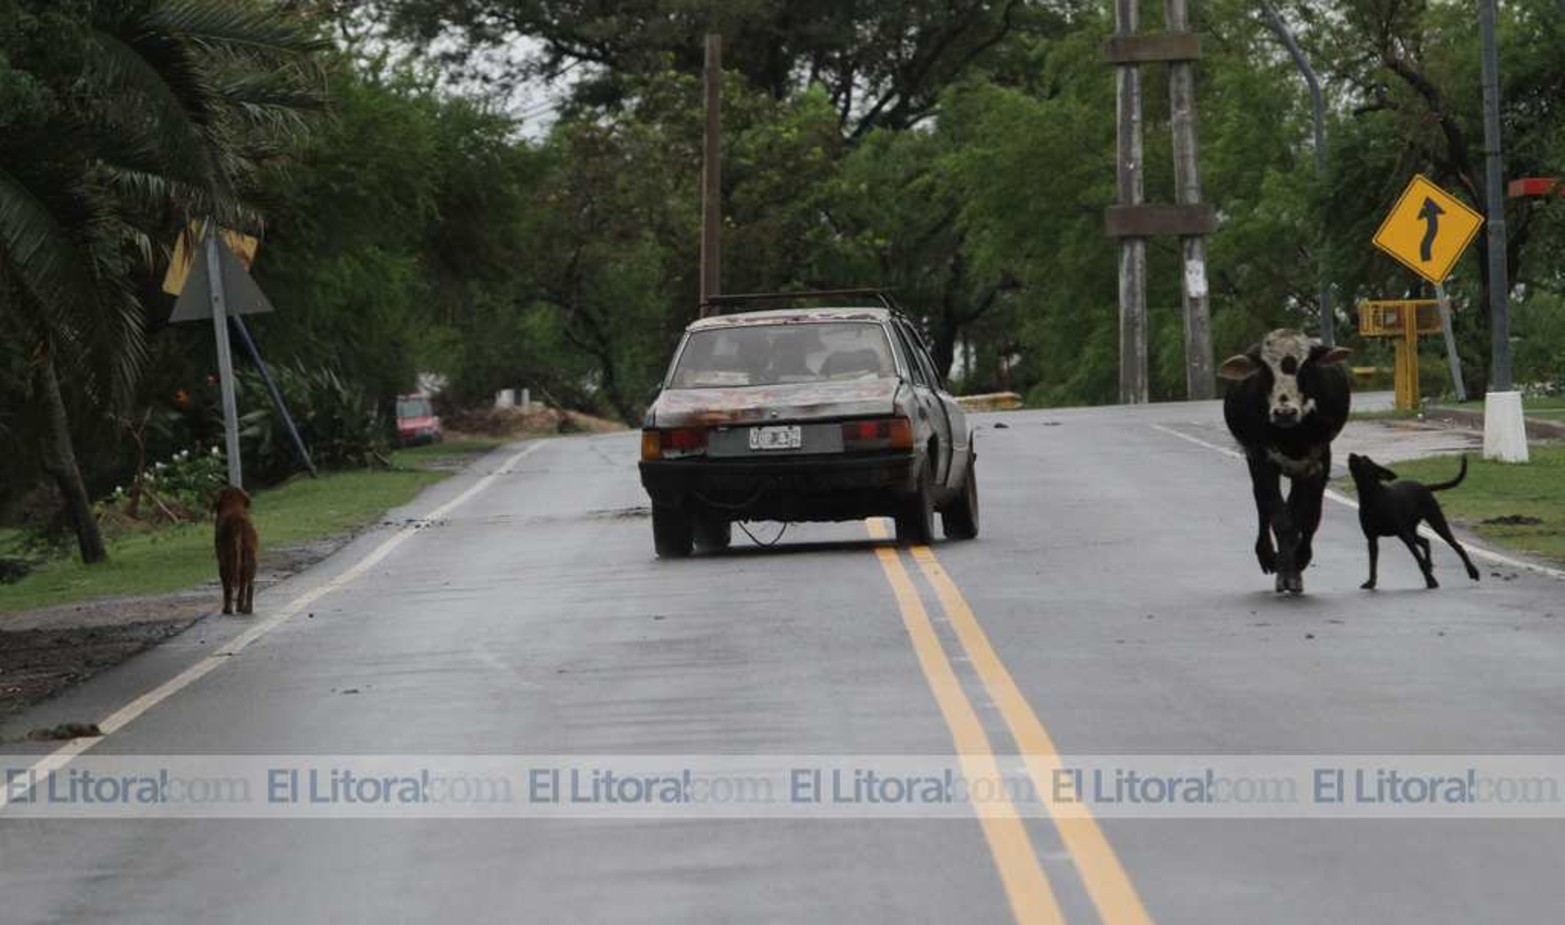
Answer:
[(726, 303)]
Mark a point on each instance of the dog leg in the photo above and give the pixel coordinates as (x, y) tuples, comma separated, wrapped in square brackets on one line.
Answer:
[(1436, 518), (1374, 563), (1424, 565)]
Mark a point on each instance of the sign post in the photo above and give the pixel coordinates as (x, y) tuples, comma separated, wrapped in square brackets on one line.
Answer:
[(211, 281), (225, 361), (1450, 344), (1427, 231)]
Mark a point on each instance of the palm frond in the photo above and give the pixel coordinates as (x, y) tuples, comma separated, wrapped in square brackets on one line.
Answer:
[(173, 94), (239, 26), (39, 251)]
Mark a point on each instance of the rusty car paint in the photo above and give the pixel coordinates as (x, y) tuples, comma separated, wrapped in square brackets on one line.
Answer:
[(788, 402), (790, 316)]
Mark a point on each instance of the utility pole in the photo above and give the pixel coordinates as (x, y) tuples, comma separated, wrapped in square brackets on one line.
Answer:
[(1494, 196), (1132, 249), (1132, 220), (1200, 383), (1326, 321), (1504, 422), (711, 177)]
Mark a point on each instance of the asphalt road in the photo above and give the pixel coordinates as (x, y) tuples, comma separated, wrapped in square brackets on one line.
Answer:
[(1112, 606)]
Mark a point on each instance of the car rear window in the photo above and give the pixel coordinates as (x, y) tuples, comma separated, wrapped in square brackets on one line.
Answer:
[(778, 354), (413, 408)]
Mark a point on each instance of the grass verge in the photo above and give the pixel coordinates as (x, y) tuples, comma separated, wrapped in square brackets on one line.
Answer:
[(172, 558), (1549, 408), (1501, 501), (443, 455)]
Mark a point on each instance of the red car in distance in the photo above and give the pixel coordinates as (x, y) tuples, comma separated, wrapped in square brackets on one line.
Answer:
[(416, 421)]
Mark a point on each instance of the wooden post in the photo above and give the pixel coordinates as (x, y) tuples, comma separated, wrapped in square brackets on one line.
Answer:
[(1132, 250), (711, 177), (1200, 382)]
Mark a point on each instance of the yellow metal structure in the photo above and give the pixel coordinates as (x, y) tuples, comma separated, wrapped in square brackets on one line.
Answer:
[(1403, 319)]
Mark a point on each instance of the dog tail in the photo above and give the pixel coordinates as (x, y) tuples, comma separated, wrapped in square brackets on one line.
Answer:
[(1454, 482)]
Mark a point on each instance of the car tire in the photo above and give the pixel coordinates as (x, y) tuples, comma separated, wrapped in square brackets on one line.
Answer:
[(916, 518), (960, 519), (672, 532), (713, 533)]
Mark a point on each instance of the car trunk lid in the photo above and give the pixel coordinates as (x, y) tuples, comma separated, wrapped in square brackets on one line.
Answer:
[(792, 402)]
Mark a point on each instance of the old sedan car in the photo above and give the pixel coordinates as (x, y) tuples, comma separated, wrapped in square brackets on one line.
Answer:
[(805, 414)]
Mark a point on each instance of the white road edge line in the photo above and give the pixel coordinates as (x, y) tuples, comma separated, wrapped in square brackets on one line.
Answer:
[(122, 717), (1481, 552)]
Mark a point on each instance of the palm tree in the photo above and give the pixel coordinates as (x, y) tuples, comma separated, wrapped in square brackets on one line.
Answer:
[(128, 118)]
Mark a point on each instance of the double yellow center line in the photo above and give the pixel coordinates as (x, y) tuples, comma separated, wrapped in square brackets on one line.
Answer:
[(1027, 887)]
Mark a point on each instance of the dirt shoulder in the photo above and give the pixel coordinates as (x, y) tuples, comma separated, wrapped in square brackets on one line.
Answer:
[(46, 650)]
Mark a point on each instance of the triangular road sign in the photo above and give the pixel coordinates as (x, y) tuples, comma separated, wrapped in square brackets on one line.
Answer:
[(241, 295)]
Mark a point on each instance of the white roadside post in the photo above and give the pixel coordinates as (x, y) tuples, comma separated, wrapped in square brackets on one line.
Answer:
[(1504, 427)]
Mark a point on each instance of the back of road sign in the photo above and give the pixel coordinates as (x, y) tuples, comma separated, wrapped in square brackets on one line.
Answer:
[(241, 295)]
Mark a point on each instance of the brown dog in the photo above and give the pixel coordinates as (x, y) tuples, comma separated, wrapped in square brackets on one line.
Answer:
[(238, 547)]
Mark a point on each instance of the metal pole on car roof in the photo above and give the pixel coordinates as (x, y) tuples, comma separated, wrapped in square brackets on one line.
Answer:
[(711, 177)]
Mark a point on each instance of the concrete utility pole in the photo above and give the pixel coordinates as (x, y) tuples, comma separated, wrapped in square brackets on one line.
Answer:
[(1325, 319), (1132, 220), (1504, 422), (1132, 249), (1494, 196), (711, 177), (1200, 383), (225, 360)]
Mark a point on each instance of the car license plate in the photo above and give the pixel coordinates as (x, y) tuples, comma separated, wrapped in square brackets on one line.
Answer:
[(781, 437)]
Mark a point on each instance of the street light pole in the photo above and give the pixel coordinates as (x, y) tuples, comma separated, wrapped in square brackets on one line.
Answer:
[(1328, 328)]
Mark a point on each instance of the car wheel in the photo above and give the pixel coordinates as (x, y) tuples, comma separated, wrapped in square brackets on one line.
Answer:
[(916, 519), (713, 533), (960, 520), (672, 532)]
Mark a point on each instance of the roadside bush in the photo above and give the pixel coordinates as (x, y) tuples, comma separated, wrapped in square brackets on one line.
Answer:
[(1538, 355), (340, 424), (178, 489)]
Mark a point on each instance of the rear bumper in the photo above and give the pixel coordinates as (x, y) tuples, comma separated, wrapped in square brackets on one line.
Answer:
[(800, 488)]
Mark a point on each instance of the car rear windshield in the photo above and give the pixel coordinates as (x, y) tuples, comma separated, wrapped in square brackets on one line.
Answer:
[(413, 408), (778, 354)]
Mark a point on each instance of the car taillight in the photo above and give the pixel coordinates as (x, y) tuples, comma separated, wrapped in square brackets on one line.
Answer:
[(673, 443), (879, 434)]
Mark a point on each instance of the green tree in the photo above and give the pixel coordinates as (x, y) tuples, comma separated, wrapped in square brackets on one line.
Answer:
[(131, 118)]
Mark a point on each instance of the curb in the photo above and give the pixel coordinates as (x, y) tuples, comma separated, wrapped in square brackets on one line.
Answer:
[(1536, 429)]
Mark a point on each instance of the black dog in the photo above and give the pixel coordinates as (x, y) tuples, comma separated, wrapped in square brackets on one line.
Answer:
[(1397, 509)]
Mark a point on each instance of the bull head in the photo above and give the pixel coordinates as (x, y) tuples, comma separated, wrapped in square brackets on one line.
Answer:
[(1287, 357)]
